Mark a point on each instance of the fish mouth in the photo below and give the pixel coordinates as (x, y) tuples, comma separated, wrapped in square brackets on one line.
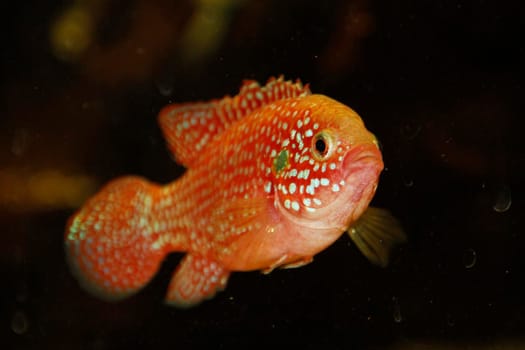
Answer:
[(361, 172), (363, 158)]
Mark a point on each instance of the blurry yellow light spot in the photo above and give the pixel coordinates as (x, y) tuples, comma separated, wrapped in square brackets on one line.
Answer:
[(71, 33), (207, 27), (48, 189)]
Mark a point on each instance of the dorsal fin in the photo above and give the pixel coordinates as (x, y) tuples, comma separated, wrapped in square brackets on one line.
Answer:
[(189, 127)]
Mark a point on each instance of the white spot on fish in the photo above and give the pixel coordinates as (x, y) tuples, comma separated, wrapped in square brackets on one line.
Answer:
[(304, 159), (335, 188), (292, 187), (317, 201), (287, 203), (307, 202), (310, 189), (268, 187), (295, 206), (306, 173)]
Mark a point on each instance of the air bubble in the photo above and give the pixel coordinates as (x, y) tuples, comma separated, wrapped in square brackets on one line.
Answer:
[(410, 130), (165, 87), (20, 142), (398, 318), (19, 323), (469, 258), (451, 322), (503, 199), (408, 182)]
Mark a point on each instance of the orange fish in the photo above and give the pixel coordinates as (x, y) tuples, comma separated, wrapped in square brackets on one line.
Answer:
[(275, 175)]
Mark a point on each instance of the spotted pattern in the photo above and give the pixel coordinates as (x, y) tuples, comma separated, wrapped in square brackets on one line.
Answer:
[(268, 152), (100, 242), (197, 278), (300, 185), (189, 127), (258, 155)]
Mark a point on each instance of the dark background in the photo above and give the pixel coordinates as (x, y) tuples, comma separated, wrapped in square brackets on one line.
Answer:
[(439, 82)]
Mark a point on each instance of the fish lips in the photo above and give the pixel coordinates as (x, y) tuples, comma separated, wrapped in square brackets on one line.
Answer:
[(360, 172), (361, 169)]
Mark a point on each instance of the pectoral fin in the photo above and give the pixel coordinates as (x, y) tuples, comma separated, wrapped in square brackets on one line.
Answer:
[(298, 263), (280, 263), (376, 233)]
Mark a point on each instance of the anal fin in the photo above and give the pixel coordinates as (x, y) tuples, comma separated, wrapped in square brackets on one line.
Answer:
[(376, 233), (196, 279)]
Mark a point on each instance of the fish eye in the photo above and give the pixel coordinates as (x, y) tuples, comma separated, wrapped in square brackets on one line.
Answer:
[(322, 145)]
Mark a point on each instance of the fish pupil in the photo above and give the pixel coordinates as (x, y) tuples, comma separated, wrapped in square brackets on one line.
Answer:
[(320, 146)]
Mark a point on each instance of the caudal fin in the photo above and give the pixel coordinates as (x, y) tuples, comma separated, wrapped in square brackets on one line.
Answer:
[(111, 243)]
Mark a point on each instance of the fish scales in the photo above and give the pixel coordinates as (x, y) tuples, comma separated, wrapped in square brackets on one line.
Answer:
[(275, 175)]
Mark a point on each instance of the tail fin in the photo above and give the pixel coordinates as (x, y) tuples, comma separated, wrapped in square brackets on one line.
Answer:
[(111, 243)]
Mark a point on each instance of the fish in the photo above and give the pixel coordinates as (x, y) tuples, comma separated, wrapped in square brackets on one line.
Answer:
[(274, 175)]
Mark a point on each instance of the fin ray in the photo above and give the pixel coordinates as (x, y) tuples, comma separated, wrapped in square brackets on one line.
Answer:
[(109, 243), (376, 233), (188, 127), (196, 279)]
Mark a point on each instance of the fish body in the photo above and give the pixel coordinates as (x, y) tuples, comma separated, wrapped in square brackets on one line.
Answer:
[(275, 175)]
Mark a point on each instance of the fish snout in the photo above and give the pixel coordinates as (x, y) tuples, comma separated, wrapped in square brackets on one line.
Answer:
[(364, 157)]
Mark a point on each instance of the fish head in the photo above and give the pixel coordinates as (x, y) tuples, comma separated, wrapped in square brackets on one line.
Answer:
[(332, 166)]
